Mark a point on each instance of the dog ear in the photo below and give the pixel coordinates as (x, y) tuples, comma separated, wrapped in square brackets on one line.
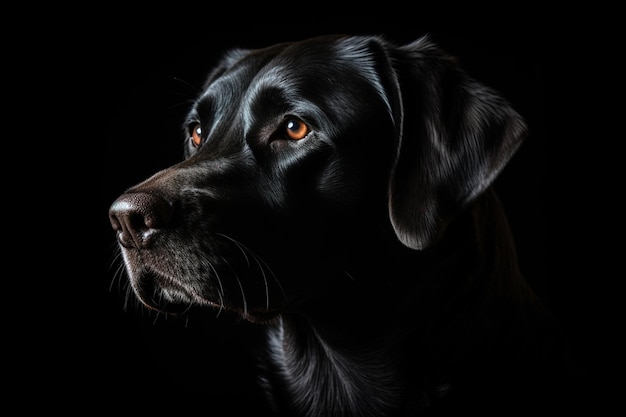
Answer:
[(454, 136)]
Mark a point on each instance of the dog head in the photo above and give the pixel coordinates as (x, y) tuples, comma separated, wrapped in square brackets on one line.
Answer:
[(302, 156)]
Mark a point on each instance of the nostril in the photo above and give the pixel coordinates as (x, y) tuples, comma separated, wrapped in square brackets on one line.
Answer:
[(135, 217), (115, 223)]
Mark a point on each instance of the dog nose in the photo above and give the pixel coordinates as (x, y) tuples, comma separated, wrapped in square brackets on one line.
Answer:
[(136, 217)]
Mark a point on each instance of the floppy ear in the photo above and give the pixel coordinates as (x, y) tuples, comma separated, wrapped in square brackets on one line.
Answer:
[(454, 136)]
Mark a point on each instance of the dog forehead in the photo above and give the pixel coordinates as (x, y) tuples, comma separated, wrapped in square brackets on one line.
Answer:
[(322, 58), (332, 69), (310, 75)]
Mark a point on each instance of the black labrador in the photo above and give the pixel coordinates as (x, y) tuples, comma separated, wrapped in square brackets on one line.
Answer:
[(339, 192)]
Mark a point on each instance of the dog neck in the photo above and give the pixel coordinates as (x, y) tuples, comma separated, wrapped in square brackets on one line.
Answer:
[(325, 374), (326, 359)]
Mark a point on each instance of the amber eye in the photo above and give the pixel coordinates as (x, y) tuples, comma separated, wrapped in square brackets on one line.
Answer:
[(296, 129), (196, 135)]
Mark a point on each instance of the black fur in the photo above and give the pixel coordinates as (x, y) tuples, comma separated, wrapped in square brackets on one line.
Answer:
[(374, 249)]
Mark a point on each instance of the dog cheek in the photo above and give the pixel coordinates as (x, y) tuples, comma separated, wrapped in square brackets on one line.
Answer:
[(335, 183)]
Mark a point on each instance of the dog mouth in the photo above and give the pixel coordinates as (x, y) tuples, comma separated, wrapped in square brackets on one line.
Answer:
[(260, 316), (165, 295), (161, 294)]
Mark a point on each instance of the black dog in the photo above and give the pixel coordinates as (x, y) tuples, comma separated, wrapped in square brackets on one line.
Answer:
[(338, 191)]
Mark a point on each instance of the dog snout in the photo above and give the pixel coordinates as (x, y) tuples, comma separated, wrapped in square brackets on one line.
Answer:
[(137, 217)]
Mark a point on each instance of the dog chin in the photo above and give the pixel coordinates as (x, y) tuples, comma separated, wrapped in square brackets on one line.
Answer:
[(159, 294), (162, 295)]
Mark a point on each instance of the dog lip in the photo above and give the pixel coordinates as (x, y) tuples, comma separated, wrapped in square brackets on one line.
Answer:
[(163, 294), (260, 316), (150, 287)]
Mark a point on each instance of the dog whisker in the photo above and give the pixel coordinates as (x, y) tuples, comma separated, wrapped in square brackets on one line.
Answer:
[(184, 104), (123, 285), (245, 250), (239, 245), (220, 290), (116, 263), (156, 317), (243, 295), (119, 277), (128, 295), (186, 95), (193, 89), (262, 265)]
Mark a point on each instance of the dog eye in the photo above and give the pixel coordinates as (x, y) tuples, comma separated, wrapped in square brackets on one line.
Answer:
[(296, 129), (196, 135)]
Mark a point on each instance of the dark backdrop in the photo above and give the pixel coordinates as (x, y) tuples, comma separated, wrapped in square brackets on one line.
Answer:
[(151, 69)]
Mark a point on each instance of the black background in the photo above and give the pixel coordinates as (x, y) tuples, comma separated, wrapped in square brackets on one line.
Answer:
[(151, 68)]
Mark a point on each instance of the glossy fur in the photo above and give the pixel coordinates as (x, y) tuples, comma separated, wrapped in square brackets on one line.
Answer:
[(374, 250)]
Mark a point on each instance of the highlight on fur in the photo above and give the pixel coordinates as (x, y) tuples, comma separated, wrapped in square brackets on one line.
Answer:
[(371, 247)]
